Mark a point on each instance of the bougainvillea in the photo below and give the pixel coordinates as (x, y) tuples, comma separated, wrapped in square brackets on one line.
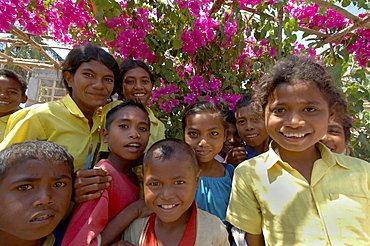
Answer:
[(203, 49)]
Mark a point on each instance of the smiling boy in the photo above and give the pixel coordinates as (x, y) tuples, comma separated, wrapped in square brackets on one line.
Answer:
[(127, 134), (171, 175), (35, 192), (12, 93)]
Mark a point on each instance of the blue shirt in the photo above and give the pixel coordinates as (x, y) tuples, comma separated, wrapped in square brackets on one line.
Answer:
[(213, 193)]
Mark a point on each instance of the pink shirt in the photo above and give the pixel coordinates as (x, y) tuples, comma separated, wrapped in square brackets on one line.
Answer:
[(90, 218)]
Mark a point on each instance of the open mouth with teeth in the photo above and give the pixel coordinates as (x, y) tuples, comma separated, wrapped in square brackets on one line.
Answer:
[(139, 95), (42, 218), (137, 146), (168, 206), (4, 103), (251, 136), (294, 135)]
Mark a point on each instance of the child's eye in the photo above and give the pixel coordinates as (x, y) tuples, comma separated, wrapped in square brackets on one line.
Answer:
[(240, 122), (278, 110), (192, 134), (178, 182), (214, 134), (129, 81), (143, 129), (123, 126), (13, 92), (87, 74), (153, 184), (25, 187), (109, 80), (59, 184), (309, 109), (146, 81), (256, 119)]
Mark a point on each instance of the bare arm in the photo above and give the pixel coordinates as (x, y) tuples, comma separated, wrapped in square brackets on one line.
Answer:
[(117, 225), (254, 239)]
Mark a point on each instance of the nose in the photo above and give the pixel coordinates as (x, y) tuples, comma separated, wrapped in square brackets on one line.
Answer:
[(294, 119), (44, 198), (249, 126), (203, 142), (98, 83), (3, 94), (138, 85), (167, 192), (134, 134)]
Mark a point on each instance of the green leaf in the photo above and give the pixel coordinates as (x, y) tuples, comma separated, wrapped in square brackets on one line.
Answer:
[(102, 29), (177, 44), (322, 10), (336, 73)]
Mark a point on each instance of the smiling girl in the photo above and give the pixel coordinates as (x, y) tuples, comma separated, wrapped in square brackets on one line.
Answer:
[(204, 128), (299, 192)]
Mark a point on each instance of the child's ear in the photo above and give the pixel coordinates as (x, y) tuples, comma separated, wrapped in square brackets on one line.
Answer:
[(332, 115), (68, 77), (198, 177), (105, 135), (24, 99)]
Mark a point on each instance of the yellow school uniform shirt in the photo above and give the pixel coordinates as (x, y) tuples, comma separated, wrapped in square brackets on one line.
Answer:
[(270, 197), (59, 121), (3, 123)]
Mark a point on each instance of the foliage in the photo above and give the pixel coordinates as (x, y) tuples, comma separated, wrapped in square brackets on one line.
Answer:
[(213, 49)]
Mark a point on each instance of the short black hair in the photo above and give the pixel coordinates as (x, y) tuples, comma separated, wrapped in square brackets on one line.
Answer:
[(111, 115), (245, 101), (204, 107), (18, 153), (85, 53), (230, 116), (165, 149), (10, 74)]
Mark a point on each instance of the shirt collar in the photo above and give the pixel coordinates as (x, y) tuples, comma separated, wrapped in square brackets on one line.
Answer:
[(72, 106), (327, 156)]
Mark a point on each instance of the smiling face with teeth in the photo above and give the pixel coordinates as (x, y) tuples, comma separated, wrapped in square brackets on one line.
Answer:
[(34, 197), (297, 117), (137, 85), (170, 186), (11, 95), (251, 128)]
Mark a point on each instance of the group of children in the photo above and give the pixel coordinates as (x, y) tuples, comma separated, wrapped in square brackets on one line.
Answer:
[(287, 187)]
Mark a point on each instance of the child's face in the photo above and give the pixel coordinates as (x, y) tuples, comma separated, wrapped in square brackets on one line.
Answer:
[(251, 128), (91, 84), (129, 133), (169, 188), (335, 139), (10, 95), (205, 134), (34, 198), (297, 116), (232, 139), (137, 85)]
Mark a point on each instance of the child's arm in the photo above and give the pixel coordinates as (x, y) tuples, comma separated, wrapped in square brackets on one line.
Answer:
[(89, 184), (236, 156), (117, 225), (254, 239)]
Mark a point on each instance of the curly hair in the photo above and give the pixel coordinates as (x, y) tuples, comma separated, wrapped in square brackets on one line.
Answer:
[(296, 70)]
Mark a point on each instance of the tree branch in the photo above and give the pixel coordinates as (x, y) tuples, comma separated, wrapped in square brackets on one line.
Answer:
[(344, 31), (341, 11), (27, 39), (216, 6)]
